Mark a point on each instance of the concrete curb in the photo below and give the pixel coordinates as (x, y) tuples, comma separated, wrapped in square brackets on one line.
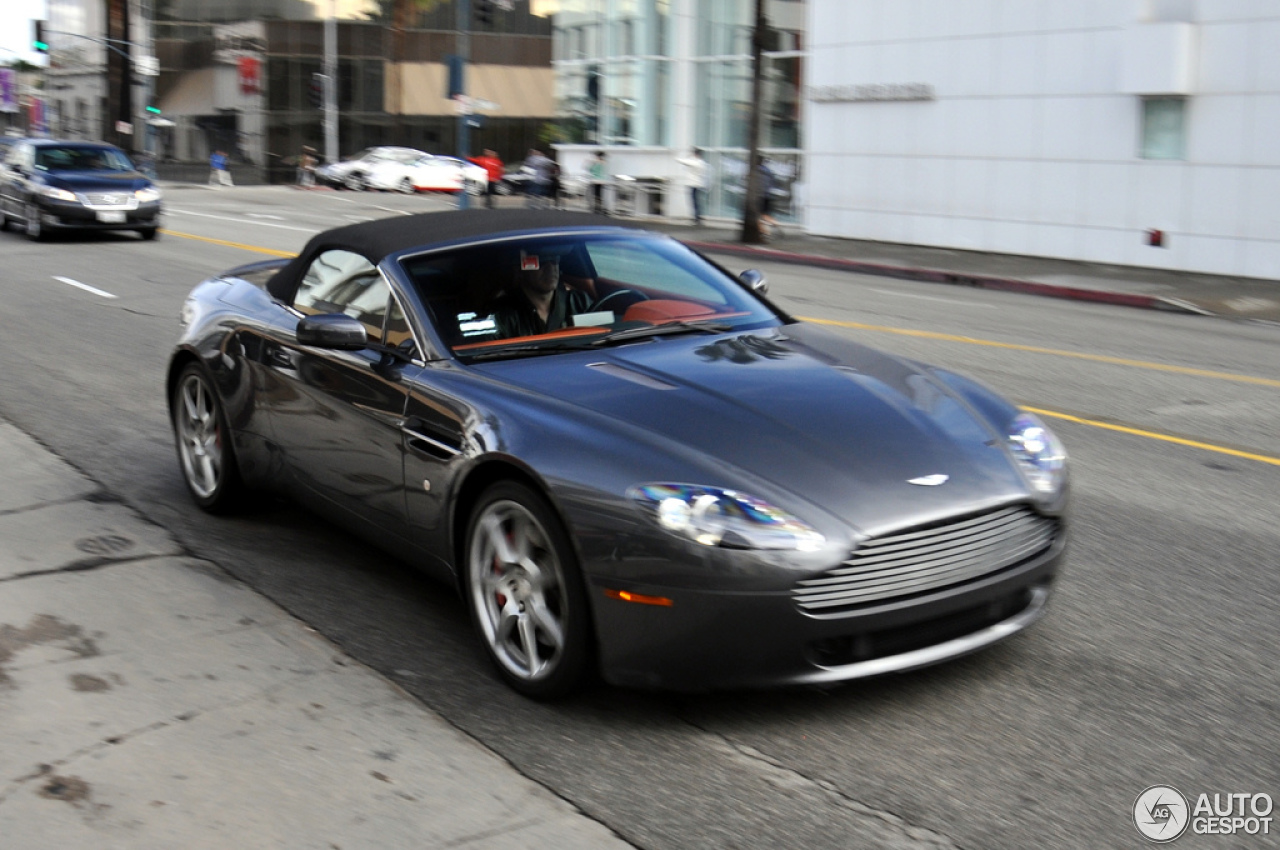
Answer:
[(1125, 299)]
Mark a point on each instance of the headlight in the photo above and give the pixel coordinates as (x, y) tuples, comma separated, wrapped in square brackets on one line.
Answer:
[(57, 194), (716, 517), (150, 193), (1039, 453)]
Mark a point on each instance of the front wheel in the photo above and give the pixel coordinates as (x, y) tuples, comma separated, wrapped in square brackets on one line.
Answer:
[(525, 593), (149, 233), (406, 186), (205, 452), (35, 228)]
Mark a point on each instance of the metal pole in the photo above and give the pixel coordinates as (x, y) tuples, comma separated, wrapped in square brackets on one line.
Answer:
[(331, 85), (464, 115), (148, 131)]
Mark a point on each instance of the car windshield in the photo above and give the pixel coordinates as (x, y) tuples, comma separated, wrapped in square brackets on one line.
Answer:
[(81, 158), (544, 295)]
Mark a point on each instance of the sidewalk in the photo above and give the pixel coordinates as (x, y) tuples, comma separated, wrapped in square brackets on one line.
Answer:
[(1187, 292), (147, 700)]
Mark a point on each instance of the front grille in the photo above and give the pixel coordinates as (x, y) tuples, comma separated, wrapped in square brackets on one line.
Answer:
[(107, 199), (885, 643), (929, 558)]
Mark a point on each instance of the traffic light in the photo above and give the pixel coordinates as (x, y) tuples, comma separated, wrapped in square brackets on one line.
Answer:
[(154, 110), (316, 90), (38, 43), (484, 12)]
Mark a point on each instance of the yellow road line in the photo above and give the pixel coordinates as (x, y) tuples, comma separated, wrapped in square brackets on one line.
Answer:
[(1097, 358), (227, 244), (1153, 435)]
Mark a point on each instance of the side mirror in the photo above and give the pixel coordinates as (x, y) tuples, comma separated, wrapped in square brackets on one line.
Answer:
[(333, 330), (753, 279)]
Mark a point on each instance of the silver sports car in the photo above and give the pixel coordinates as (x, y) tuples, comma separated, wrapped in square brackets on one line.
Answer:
[(626, 459)]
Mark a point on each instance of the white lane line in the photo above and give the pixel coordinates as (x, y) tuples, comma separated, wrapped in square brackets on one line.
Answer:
[(240, 219), (931, 298), (86, 287), (265, 215)]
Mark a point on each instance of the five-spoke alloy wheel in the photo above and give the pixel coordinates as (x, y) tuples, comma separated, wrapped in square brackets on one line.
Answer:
[(525, 592), (204, 444)]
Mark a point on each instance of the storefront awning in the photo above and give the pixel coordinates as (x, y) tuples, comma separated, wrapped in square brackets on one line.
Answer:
[(519, 91), (193, 95)]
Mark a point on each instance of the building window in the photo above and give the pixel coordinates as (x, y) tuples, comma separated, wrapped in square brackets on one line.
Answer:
[(1164, 128)]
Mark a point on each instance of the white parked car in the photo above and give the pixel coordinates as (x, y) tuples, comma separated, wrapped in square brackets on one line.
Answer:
[(427, 173), (352, 173)]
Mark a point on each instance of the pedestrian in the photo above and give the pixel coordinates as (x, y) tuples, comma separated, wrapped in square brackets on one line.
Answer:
[(765, 199), (598, 174), (494, 170), (219, 175), (555, 183), (307, 168), (539, 169), (695, 177)]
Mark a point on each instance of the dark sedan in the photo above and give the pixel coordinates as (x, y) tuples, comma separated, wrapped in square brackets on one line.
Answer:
[(625, 458), (48, 185)]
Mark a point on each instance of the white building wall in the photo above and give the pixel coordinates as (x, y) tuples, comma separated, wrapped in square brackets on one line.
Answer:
[(1032, 143)]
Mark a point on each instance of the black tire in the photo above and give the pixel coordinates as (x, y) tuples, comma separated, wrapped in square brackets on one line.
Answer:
[(527, 603), (356, 182), (149, 233), (206, 455)]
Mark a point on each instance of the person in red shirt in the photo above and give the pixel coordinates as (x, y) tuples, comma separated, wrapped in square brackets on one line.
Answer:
[(492, 165)]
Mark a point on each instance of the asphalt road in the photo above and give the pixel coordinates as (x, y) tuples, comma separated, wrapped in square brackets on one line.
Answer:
[(1155, 665)]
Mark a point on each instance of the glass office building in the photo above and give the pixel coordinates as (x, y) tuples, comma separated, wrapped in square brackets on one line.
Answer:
[(647, 80)]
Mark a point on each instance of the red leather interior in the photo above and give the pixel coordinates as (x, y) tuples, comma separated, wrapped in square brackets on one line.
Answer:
[(665, 310)]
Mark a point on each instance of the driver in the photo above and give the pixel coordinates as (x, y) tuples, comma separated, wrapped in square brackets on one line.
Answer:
[(539, 302)]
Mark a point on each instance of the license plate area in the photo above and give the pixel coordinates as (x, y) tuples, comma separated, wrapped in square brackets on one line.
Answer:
[(111, 217)]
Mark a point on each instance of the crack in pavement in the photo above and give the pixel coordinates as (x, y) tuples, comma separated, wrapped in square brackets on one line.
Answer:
[(84, 565), (46, 768), (788, 779)]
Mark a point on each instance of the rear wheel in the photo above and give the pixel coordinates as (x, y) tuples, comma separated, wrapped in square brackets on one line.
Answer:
[(525, 592), (205, 452)]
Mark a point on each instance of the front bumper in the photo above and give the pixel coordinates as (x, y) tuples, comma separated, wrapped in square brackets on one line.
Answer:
[(707, 640), (66, 215)]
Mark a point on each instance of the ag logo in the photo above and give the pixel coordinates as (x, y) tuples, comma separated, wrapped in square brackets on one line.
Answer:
[(1160, 813)]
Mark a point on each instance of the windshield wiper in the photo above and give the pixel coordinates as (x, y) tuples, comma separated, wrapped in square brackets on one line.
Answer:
[(512, 351), (666, 329)]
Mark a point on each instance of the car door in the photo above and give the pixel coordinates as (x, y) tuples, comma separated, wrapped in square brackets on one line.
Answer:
[(337, 415), (13, 180)]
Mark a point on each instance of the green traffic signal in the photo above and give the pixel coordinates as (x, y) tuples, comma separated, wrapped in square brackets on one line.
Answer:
[(38, 43), (154, 109)]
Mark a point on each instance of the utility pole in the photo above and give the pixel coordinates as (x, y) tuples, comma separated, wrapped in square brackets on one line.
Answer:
[(464, 111), (331, 85), (751, 203)]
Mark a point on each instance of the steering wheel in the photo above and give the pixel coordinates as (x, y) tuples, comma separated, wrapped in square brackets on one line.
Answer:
[(619, 300)]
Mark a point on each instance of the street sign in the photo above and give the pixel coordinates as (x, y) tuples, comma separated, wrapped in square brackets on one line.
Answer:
[(147, 66)]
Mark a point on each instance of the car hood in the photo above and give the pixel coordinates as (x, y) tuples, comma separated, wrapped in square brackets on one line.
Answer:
[(841, 425), (97, 181)]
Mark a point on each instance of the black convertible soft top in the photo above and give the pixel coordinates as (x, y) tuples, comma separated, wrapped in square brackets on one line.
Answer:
[(375, 240)]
